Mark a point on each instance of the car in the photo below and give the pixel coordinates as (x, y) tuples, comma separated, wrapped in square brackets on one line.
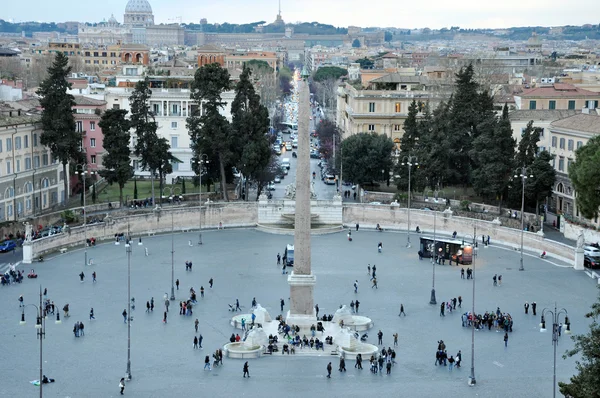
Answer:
[(284, 170), (271, 186), (295, 143), (288, 146), (7, 246), (591, 262), (314, 155), (277, 180), (591, 251)]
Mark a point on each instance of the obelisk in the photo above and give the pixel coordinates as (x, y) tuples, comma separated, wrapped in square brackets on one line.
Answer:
[(301, 280)]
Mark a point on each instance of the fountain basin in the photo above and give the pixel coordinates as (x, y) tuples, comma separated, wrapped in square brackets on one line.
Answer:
[(359, 323), (240, 351), (364, 349), (236, 321)]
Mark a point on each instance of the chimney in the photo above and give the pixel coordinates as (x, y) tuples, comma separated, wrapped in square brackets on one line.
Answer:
[(585, 111)]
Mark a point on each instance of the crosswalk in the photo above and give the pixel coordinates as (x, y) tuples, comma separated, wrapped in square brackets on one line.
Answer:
[(6, 266)]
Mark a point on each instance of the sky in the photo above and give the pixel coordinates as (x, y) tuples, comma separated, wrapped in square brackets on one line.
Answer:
[(385, 13)]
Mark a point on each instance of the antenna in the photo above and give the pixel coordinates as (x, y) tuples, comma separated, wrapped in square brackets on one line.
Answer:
[(279, 7)]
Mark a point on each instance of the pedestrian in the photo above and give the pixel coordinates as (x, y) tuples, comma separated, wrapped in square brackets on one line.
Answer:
[(495, 279), (246, 372), (402, 310), (177, 284), (202, 291), (458, 358), (45, 292), (462, 273), (369, 269), (459, 301), (356, 304), (388, 367), (146, 251), (358, 364), (526, 308), (243, 323), (533, 307), (210, 282), (92, 314), (505, 339), (395, 339), (451, 362), (374, 283), (81, 276), (342, 364), (147, 306), (122, 385), (488, 241), (278, 259), (237, 305), (21, 301), (207, 362), (195, 342), (329, 370), (317, 309), (356, 286), (200, 338), (253, 302), (357, 226), (124, 313), (442, 308), (499, 280), (352, 306), (165, 317), (380, 337), (283, 270), (281, 303), (94, 277), (196, 323)]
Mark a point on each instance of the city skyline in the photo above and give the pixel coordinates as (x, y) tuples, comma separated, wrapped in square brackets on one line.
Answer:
[(510, 13)]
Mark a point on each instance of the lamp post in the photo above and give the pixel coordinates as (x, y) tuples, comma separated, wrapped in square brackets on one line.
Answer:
[(83, 173), (433, 254), (172, 259), (40, 325), (472, 380), (202, 159), (128, 250), (409, 161), (523, 174), (555, 326)]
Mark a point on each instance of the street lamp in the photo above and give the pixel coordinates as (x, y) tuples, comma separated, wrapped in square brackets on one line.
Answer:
[(555, 326), (433, 254), (172, 259), (82, 173), (524, 174), (202, 159), (128, 251), (40, 325), (472, 380), (409, 161)]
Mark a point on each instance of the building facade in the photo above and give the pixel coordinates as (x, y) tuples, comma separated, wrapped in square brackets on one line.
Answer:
[(30, 180), (557, 96), (88, 112)]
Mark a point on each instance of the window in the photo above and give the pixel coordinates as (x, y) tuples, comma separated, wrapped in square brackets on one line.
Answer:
[(562, 143), (156, 109), (92, 143), (79, 126), (45, 159), (396, 127), (92, 126), (34, 139), (561, 163), (18, 165), (371, 127), (551, 104), (8, 167), (27, 163), (45, 183), (174, 142), (570, 145), (174, 110), (17, 142), (0, 145), (541, 133), (173, 125), (116, 106), (175, 166), (93, 159), (26, 141), (36, 162), (9, 210), (10, 192), (553, 142), (398, 107), (579, 145), (28, 187), (532, 105), (371, 107), (9, 144), (569, 163), (572, 104)]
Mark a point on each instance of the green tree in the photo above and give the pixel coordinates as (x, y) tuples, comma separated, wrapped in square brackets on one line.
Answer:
[(211, 132), (365, 63), (584, 173), (586, 383), (356, 43), (117, 167), (327, 132), (135, 190), (528, 146), (329, 72), (434, 153), (365, 155), (94, 193), (540, 186), (58, 122), (285, 79), (493, 153), (250, 125), (408, 147), (387, 36)]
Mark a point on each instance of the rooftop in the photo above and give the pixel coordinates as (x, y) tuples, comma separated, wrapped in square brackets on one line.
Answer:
[(542, 114), (80, 100), (399, 78), (581, 122), (558, 90)]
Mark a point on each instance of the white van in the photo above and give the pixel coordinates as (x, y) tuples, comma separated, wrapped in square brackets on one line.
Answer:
[(285, 163)]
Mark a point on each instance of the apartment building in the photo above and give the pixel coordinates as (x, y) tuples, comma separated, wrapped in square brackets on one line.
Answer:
[(88, 112), (30, 180), (557, 96)]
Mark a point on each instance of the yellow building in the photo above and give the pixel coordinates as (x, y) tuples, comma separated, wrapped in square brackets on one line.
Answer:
[(557, 96)]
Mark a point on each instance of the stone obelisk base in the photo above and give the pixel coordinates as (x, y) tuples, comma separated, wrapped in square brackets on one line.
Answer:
[(302, 312), (27, 253), (579, 256)]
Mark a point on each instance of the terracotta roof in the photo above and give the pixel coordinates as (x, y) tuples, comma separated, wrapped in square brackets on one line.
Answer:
[(582, 122), (209, 48), (542, 114), (398, 78), (558, 90), (80, 100)]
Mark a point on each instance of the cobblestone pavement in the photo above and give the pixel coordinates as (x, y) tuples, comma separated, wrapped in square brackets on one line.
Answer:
[(243, 265)]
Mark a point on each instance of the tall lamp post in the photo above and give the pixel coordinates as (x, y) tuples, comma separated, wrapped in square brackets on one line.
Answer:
[(433, 254), (128, 251), (555, 326), (202, 159), (40, 325), (83, 173), (472, 380), (409, 161), (172, 259), (523, 174)]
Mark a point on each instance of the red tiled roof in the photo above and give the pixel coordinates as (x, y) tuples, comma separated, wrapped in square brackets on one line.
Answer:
[(558, 90)]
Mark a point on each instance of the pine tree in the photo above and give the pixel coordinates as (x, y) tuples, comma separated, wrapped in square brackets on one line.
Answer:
[(58, 122), (135, 190), (584, 173), (117, 167)]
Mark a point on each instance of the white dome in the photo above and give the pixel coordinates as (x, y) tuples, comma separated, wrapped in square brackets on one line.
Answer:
[(138, 6)]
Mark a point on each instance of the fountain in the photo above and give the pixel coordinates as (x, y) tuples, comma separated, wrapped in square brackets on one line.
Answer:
[(262, 316), (349, 346), (355, 322), (252, 345)]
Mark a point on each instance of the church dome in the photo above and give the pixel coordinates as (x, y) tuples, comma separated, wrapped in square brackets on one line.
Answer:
[(138, 6), (112, 20)]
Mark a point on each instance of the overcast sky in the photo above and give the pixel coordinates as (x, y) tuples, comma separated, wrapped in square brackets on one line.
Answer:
[(393, 13)]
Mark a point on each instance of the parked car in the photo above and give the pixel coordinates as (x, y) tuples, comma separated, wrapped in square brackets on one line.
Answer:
[(591, 251), (277, 180), (314, 155), (7, 246), (271, 186), (288, 146), (591, 262)]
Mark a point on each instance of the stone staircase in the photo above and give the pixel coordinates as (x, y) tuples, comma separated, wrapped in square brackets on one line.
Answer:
[(328, 350)]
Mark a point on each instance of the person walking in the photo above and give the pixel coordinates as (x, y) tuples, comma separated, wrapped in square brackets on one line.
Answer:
[(92, 314), (21, 301), (499, 280), (458, 358), (200, 338), (281, 304), (246, 372), (395, 339), (358, 364), (278, 259), (356, 286), (495, 279), (380, 337), (505, 339), (442, 308), (451, 363), (237, 305), (165, 317), (526, 308), (196, 323), (124, 313), (342, 364), (374, 283), (202, 291), (402, 310), (533, 307), (317, 309), (177, 284), (152, 304), (462, 273), (81, 276), (369, 269), (356, 304), (329, 370), (207, 362), (122, 385), (210, 282), (352, 306), (195, 342), (94, 277)]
